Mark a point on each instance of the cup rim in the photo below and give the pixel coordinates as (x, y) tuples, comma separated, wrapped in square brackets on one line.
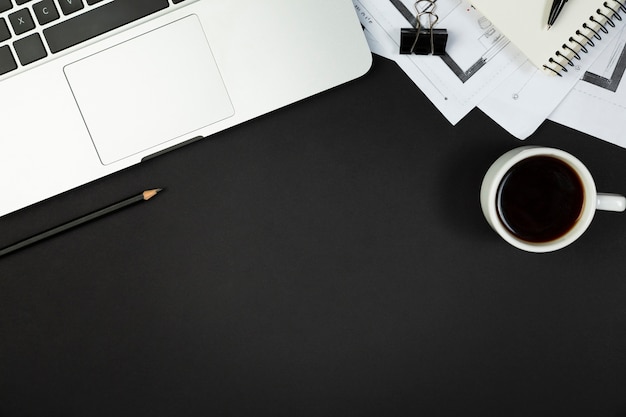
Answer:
[(497, 172)]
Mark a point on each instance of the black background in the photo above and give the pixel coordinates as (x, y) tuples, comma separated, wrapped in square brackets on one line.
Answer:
[(327, 259)]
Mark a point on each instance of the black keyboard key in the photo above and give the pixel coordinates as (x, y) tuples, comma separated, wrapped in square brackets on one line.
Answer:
[(70, 6), (45, 12), (21, 21), (20, 2), (92, 2), (29, 49), (5, 5), (4, 30), (98, 21), (7, 62)]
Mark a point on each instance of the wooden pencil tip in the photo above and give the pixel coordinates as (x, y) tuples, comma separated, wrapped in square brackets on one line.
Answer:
[(148, 194)]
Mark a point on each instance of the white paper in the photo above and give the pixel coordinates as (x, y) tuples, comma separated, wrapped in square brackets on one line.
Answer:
[(597, 104), (525, 99), (508, 88), (525, 24), (478, 58)]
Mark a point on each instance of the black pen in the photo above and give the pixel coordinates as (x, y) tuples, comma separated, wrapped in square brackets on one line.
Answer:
[(555, 10)]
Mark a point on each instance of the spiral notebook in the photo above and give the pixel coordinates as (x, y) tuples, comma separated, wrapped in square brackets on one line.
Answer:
[(580, 26)]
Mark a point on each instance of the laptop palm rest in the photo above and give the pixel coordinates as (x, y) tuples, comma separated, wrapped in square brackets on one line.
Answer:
[(125, 101)]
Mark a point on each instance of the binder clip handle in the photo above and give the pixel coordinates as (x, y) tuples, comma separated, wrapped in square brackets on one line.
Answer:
[(424, 41)]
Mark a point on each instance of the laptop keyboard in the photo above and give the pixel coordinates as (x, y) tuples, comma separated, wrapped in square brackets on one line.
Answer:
[(33, 30)]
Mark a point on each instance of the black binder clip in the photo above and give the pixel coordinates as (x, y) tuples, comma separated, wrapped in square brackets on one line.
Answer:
[(424, 41)]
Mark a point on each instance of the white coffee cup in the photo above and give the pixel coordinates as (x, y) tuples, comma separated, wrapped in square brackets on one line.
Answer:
[(504, 192)]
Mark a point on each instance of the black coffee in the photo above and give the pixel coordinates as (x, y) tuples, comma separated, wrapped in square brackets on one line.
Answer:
[(540, 199)]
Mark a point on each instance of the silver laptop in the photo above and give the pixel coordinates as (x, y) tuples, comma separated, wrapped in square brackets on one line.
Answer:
[(89, 87)]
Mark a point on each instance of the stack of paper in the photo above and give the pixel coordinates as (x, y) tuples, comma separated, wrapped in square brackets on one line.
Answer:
[(482, 68)]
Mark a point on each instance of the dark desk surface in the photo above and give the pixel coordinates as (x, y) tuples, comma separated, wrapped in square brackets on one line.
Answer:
[(328, 259)]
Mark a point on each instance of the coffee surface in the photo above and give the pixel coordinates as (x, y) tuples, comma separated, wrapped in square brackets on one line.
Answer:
[(540, 199)]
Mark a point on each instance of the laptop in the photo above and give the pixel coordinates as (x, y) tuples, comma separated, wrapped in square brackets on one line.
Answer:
[(90, 87)]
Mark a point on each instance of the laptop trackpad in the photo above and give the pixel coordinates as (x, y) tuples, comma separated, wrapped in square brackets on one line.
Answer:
[(149, 90)]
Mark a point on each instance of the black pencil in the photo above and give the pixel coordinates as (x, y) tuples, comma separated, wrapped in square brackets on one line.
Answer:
[(144, 196)]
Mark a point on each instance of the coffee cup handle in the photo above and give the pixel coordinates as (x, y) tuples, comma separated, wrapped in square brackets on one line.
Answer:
[(611, 202)]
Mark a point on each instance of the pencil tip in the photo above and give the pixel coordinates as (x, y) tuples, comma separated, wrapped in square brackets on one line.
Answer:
[(148, 194)]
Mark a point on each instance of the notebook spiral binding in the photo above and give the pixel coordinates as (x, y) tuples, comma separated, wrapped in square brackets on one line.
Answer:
[(601, 22)]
